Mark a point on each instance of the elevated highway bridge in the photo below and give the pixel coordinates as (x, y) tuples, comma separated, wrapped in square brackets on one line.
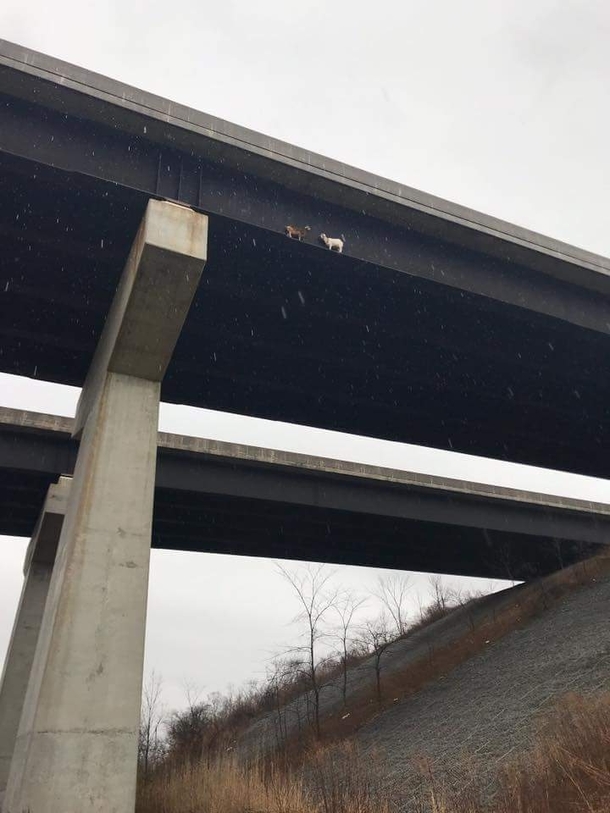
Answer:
[(222, 497), (437, 326), (144, 257)]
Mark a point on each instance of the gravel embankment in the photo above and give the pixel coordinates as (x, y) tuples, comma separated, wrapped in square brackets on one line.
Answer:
[(362, 678), (488, 708)]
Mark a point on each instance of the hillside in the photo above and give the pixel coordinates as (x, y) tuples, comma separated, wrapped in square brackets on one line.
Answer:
[(473, 720), (484, 705), (398, 657), (501, 705)]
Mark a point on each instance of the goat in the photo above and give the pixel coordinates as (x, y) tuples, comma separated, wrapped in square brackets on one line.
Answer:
[(333, 243), (297, 232)]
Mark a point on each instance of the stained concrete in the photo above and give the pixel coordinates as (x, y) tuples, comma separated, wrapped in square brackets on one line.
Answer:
[(152, 300), (76, 748), (38, 567)]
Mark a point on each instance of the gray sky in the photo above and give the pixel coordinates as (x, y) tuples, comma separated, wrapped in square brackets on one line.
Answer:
[(498, 105)]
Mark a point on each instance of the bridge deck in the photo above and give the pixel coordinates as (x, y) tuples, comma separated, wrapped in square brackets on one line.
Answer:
[(438, 326), (229, 498)]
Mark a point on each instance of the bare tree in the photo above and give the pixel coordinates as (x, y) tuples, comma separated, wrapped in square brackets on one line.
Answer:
[(393, 592), (376, 638), (346, 607), (443, 596), (282, 676), (310, 585), (506, 560), (557, 548), (188, 729), (151, 746)]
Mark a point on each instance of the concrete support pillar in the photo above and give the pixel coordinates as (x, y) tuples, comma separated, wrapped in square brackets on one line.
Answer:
[(37, 571), (76, 749)]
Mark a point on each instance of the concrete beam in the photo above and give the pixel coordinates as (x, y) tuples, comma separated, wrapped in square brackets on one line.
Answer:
[(43, 544), (151, 301), (38, 566), (76, 750)]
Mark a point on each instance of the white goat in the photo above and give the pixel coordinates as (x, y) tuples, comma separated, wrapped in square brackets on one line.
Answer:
[(333, 243)]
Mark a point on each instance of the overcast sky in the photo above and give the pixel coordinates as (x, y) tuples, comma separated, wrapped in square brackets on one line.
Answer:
[(499, 105)]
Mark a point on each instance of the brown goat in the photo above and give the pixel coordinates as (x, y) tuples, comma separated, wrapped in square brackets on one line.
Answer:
[(297, 232)]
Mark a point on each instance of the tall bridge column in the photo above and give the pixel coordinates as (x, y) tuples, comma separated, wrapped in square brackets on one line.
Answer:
[(76, 750), (37, 570)]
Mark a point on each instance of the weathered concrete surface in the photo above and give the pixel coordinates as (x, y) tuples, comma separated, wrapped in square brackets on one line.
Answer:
[(77, 744), (43, 545), (76, 748), (152, 300), (38, 567)]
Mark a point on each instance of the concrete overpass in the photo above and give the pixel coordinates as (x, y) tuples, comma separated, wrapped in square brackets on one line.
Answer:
[(437, 326), (226, 498)]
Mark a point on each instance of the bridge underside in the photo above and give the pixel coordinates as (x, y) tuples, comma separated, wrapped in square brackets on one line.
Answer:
[(284, 331), (230, 525), (223, 505), (445, 330), (436, 327)]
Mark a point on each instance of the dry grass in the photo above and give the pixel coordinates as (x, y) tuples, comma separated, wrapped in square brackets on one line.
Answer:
[(342, 780), (225, 786), (338, 781), (568, 770)]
